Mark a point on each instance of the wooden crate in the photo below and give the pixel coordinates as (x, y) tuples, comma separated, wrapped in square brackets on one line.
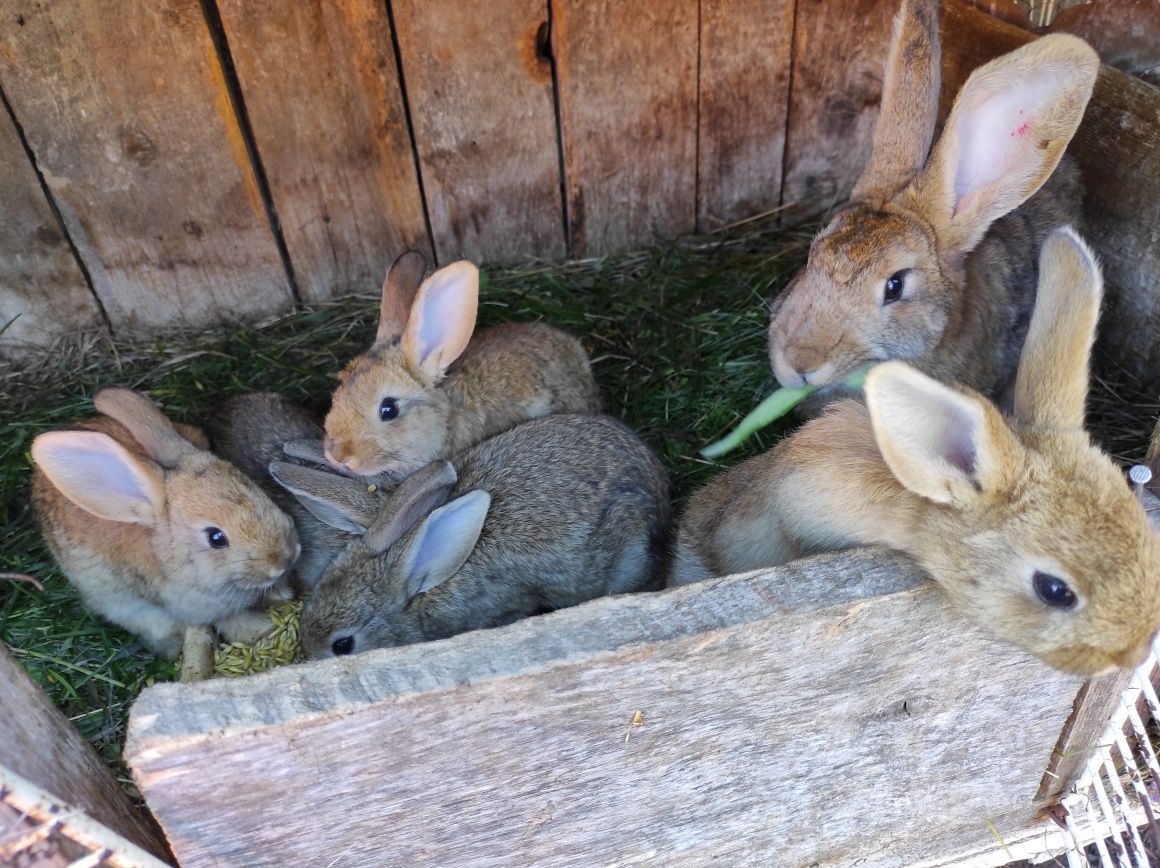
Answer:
[(58, 801), (834, 711)]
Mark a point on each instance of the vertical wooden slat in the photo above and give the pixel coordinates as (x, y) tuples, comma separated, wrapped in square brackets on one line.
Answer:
[(126, 109), (628, 107), (744, 86), (838, 55), (43, 293), (481, 104), (321, 90)]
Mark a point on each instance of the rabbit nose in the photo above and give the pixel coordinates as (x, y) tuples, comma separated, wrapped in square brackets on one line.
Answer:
[(335, 452)]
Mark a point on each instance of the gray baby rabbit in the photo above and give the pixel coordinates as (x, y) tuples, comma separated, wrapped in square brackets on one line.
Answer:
[(549, 514)]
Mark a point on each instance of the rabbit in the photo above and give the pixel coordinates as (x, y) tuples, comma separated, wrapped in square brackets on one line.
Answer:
[(155, 532), (1021, 520), (426, 389), (923, 265), (548, 514), (252, 430)]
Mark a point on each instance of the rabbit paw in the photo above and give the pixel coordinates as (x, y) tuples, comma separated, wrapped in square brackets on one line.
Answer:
[(246, 627)]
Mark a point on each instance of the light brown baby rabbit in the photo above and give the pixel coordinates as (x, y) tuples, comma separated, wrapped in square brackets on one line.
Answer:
[(1028, 526), (426, 389), (916, 267), (153, 530)]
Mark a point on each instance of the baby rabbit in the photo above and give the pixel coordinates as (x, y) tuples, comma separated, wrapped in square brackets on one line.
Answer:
[(916, 266), (403, 403), (548, 514), (1027, 525), (252, 430), (154, 531)]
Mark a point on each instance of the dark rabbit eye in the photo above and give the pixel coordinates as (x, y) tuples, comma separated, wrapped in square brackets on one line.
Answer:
[(388, 409), (894, 286), (216, 537), (342, 646), (1053, 591)]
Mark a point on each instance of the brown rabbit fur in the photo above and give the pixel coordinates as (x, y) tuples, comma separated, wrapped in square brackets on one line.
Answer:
[(124, 501), (446, 393), (990, 507), (923, 265)]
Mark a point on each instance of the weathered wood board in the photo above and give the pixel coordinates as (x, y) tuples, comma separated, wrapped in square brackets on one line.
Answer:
[(744, 91), (835, 711), (1116, 147), (481, 104), (321, 89), (836, 85), (43, 293), (627, 75), (125, 107), (41, 745)]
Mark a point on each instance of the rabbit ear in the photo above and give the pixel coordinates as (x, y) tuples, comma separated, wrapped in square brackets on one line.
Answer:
[(1051, 384), (148, 425), (399, 288), (939, 443), (1005, 136), (909, 110), (306, 450), (415, 497), (100, 476), (444, 541), (442, 319), (334, 500)]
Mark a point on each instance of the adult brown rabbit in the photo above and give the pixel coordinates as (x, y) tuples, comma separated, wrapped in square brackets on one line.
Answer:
[(155, 531), (1028, 526), (923, 265), (548, 514), (427, 389)]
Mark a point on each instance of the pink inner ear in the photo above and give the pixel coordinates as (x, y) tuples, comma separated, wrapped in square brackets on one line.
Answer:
[(958, 444), (446, 313), (94, 472), (999, 136)]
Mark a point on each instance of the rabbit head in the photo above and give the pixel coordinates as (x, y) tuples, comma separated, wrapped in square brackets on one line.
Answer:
[(360, 601), (1030, 527), (215, 535), (885, 279), (387, 415)]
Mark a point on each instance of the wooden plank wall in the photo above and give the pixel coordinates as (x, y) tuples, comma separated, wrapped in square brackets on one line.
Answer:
[(181, 163), (189, 162)]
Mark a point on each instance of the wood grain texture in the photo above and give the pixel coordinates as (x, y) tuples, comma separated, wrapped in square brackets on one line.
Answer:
[(41, 745), (125, 107), (836, 86), (627, 76), (829, 711), (485, 126), (744, 91), (322, 94), (1115, 147), (43, 294)]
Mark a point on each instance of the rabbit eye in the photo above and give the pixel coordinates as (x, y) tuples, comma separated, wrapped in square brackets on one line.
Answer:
[(1053, 591), (340, 647), (388, 409), (216, 537), (894, 286)]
